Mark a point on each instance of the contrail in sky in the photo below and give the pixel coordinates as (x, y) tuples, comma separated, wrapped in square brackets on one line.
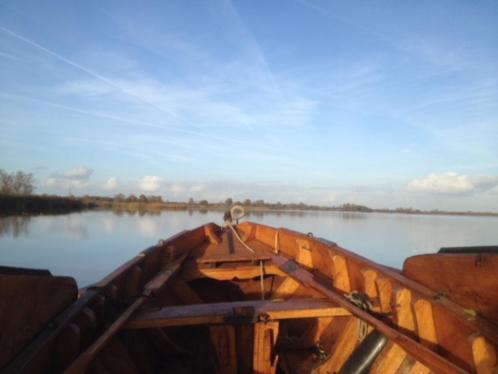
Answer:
[(86, 70)]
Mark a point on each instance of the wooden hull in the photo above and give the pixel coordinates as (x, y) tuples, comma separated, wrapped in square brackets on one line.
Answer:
[(257, 299)]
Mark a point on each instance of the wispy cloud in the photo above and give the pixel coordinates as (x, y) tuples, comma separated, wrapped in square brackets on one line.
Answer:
[(453, 183), (80, 67), (77, 177), (8, 56)]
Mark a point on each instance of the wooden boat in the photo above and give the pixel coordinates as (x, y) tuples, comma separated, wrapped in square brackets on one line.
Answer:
[(249, 298)]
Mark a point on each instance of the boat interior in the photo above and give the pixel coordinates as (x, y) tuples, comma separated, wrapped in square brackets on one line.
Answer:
[(248, 298)]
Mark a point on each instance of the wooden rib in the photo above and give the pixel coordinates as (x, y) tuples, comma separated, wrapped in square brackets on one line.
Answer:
[(341, 274), (369, 285), (211, 235), (484, 355), (384, 289), (285, 289), (425, 323), (426, 331), (191, 272), (81, 363), (419, 368), (183, 291), (133, 282), (404, 312), (370, 288), (393, 357), (342, 348), (67, 346), (390, 360), (304, 253), (224, 342), (265, 337), (417, 350), (116, 359), (221, 313), (87, 323)]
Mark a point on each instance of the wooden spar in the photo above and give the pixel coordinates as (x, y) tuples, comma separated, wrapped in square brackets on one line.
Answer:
[(48, 334), (428, 357), (233, 258), (191, 271), (84, 359), (226, 313)]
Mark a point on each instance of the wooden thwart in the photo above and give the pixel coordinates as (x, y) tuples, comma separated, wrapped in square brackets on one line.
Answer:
[(414, 348), (237, 257), (226, 313)]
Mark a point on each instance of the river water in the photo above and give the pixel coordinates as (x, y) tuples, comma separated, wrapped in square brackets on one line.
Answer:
[(89, 245)]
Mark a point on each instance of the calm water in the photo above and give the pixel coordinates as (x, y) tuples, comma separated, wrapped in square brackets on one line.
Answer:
[(89, 245)]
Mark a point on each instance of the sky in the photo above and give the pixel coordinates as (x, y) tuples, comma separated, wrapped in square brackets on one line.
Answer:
[(385, 103)]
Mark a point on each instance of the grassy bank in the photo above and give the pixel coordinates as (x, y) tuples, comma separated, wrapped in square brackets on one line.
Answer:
[(34, 204)]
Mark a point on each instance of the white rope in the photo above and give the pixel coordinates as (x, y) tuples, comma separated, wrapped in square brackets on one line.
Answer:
[(229, 225)]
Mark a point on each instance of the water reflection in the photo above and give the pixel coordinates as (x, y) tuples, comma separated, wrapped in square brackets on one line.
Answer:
[(89, 245), (14, 225), (72, 226)]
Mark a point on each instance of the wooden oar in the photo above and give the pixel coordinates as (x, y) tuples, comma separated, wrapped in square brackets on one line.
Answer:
[(80, 364), (426, 356)]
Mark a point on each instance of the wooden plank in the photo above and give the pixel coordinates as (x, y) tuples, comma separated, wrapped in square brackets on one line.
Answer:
[(236, 257), (384, 289), (116, 359), (286, 289), (265, 338), (425, 323), (484, 356), (224, 342), (341, 274), (38, 346), (342, 348), (30, 301), (393, 357), (67, 347), (81, 363), (304, 253), (417, 350), (190, 272), (467, 279), (133, 282), (223, 313), (183, 291)]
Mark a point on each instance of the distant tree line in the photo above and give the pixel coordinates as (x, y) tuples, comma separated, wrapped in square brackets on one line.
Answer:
[(138, 199), (16, 183)]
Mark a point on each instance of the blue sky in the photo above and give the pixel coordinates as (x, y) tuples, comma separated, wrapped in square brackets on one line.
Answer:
[(380, 103)]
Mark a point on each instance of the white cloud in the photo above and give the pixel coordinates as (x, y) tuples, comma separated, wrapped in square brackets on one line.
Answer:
[(78, 173), (197, 188), (50, 182), (77, 177), (177, 189), (453, 183), (150, 183), (111, 184)]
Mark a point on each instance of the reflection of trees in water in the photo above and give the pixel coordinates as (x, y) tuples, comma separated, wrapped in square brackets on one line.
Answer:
[(277, 213), (14, 225), (134, 210), (354, 216)]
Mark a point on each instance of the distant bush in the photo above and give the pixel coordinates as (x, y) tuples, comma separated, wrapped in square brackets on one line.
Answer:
[(18, 183)]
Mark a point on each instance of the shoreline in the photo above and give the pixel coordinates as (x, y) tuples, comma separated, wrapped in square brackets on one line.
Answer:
[(43, 205)]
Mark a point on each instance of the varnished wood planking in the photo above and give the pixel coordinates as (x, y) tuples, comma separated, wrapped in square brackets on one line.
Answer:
[(264, 355)]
